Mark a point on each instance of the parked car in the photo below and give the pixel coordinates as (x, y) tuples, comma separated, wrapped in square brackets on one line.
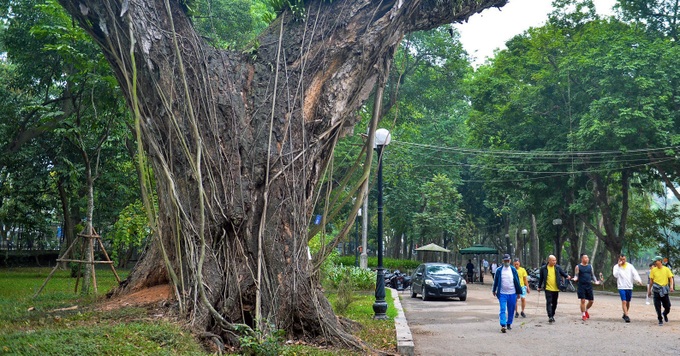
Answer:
[(438, 280)]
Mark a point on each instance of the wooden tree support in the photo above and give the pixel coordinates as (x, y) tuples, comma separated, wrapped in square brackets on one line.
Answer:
[(90, 262)]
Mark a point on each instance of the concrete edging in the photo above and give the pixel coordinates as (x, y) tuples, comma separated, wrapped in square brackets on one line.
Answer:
[(405, 344)]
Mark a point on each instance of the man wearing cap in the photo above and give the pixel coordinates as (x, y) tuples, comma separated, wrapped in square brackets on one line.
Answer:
[(625, 274), (549, 279), (506, 288), (661, 278)]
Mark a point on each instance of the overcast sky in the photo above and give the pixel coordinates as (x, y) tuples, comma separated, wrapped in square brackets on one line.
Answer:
[(487, 31)]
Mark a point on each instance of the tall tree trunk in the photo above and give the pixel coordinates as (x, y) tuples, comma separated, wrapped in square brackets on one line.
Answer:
[(70, 218), (239, 142), (613, 228), (536, 257)]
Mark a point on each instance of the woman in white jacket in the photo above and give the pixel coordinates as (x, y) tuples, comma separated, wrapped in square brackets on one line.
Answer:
[(625, 275)]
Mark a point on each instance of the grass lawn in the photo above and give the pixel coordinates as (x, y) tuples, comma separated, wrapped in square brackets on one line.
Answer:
[(60, 322)]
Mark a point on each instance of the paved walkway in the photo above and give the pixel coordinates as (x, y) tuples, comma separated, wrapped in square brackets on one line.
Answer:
[(447, 327)]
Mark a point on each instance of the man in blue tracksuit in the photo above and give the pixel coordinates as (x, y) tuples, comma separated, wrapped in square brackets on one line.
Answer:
[(506, 288)]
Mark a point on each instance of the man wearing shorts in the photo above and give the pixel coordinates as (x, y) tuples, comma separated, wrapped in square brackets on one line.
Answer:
[(523, 283), (625, 274), (585, 276)]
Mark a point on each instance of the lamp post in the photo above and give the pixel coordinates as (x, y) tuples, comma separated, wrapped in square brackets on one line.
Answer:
[(382, 139), (507, 244), (524, 245), (558, 223), (356, 239)]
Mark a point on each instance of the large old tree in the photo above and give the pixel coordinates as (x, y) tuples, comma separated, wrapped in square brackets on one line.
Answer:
[(239, 141)]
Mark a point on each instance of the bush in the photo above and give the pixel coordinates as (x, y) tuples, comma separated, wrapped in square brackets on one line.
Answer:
[(259, 344), (406, 266), (357, 278)]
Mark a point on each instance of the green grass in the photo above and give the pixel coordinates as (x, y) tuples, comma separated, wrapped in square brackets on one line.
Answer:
[(377, 334), (31, 326)]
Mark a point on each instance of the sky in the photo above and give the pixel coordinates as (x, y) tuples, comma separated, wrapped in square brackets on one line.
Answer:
[(489, 30)]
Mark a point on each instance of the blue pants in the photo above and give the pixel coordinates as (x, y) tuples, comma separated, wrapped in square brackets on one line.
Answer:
[(508, 303)]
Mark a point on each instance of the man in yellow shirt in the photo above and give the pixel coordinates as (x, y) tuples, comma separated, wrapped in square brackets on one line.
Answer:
[(549, 279), (522, 274), (661, 278)]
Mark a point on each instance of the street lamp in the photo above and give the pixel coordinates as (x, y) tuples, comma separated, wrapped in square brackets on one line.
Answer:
[(356, 239), (558, 223), (524, 245), (382, 139)]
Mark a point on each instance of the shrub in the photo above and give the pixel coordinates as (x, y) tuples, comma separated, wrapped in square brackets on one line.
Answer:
[(361, 279), (406, 266)]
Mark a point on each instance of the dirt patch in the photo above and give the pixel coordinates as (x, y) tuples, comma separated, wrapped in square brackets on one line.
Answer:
[(156, 295)]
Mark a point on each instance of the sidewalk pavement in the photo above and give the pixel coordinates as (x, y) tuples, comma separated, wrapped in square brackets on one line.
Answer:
[(405, 343)]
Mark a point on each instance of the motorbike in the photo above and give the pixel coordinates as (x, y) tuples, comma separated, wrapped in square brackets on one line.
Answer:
[(532, 278), (567, 286), (387, 274), (399, 280)]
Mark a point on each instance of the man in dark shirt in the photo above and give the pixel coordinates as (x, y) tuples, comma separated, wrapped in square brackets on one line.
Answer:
[(585, 276), (470, 271)]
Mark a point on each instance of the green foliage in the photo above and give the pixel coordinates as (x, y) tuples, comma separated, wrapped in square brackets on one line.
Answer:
[(345, 290), (227, 23), (263, 345), (296, 7), (62, 104), (658, 16), (349, 277), (390, 263), (577, 84), (131, 230)]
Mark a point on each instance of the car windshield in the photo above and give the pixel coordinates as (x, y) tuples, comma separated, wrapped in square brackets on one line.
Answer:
[(440, 270)]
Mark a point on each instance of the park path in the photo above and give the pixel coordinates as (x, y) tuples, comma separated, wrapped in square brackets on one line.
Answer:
[(452, 327)]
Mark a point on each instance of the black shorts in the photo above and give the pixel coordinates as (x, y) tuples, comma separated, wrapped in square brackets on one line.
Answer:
[(585, 292)]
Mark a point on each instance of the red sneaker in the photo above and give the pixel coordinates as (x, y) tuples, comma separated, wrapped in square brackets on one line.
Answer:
[(584, 318), (587, 315)]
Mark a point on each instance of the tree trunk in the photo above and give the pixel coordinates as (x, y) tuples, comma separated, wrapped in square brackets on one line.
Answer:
[(536, 257), (70, 219), (239, 141), (612, 229)]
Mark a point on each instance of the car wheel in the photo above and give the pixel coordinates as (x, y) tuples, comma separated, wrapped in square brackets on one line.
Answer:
[(424, 296), (413, 293), (463, 298)]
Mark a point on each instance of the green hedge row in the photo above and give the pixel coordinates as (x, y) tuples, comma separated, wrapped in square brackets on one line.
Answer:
[(406, 266)]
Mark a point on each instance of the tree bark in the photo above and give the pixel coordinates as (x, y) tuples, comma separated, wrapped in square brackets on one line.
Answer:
[(239, 141)]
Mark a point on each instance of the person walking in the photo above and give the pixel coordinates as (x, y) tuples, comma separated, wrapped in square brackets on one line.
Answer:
[(470, 271), (485, 263), (661, 278), (667, 264), (584, 274), (494, 267), (506, 288), (524, 285), (625, 274), (549, 280)]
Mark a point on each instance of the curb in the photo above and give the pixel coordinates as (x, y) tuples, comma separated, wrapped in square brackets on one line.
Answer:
[(405, 344)]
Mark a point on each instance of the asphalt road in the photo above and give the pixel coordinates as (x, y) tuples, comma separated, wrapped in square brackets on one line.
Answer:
[(452, 327)]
